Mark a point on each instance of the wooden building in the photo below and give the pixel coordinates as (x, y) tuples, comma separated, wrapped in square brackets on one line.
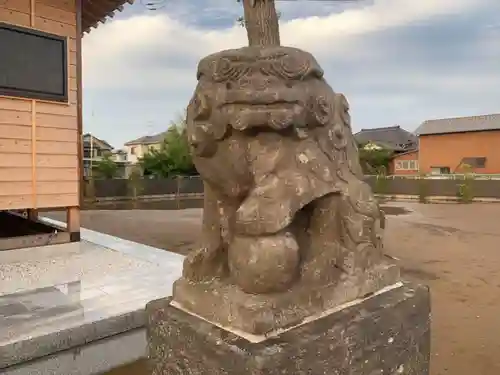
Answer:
[(41, 108)]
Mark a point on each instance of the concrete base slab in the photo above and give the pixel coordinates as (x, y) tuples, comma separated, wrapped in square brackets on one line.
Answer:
[(70, 298), (388, 333)]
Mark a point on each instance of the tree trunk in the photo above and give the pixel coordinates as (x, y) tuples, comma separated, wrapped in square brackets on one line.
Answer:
[(261, 23)]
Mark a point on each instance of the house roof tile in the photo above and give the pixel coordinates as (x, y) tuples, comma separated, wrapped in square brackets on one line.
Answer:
[(393, 137), (460, 125), (95, 11), (148, 139)]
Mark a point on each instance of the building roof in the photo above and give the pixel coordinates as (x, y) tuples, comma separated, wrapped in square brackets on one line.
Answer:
[(95, 11), (460, 125), (392, 137), (148, 139), (395, 156), (101, 142)]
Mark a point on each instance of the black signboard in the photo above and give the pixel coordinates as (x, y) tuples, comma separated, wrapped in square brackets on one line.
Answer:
[(33, 64)]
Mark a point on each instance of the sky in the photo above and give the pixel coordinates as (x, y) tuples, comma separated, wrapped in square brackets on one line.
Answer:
[(399, 62)]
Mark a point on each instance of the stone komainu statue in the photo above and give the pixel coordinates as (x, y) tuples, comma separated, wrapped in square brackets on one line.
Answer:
[(289, 225)]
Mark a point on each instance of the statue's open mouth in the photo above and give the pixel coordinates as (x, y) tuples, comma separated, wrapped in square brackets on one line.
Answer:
[(276, 115), (235, 107), (272, 96)]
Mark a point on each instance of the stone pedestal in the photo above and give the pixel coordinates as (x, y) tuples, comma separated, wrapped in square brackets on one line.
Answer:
[(387, 333)]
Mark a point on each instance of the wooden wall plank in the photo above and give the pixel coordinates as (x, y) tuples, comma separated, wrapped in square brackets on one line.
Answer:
[(72, 58), (57, 187), (58, 148), (55, 14), (8, 131), (72, 74), (57, 200), (15, 160), (23, 6), (73, 85), (54, 27), (68, 5), (15, 117), (56, 174), (43, 161), (14, 17), (18, 202), (55, 134), (45, 120), (73, 97), (16, 188), (13, 188), (56, 109), (23, 146), (9, 104), (12, 146), (57, 161), (15, 174)]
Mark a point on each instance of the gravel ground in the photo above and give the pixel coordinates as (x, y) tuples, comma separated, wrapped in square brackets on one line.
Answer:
[(451, 247)]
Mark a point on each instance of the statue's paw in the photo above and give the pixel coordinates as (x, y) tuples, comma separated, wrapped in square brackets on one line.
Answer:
[(201, 264), (255, 217)]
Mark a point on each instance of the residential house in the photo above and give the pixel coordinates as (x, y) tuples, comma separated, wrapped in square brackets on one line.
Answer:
[(400, 142), (119, 155), (94, 149), (447, 145), (137, 148), (405, 163)]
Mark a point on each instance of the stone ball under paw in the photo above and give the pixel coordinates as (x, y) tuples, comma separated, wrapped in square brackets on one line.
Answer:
[(264, 264)]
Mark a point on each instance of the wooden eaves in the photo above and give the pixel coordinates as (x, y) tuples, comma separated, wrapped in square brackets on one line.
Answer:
[(98, 11)]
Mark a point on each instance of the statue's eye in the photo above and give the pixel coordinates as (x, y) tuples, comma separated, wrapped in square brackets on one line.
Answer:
[(226, 70), (200, 106), (315, 72)]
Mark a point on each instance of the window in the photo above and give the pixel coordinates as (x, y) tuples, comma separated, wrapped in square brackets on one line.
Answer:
[(132, 151), (407, 165), (86, 152), (33, 64), (474, 162), (440, 170)]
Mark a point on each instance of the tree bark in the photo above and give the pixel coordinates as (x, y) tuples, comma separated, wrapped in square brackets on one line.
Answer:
[(261, 23)]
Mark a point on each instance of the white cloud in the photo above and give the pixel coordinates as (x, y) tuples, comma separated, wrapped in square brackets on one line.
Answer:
[(108, 51), (361, 49), (381, 15)]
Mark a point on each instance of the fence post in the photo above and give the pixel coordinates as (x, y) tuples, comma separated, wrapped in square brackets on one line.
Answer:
[(134, 182), (178, 180), (89, 189), (465, 191), (423, 188)]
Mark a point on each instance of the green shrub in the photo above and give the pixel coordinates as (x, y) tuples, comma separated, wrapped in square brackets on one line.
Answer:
[(135, 184), (423, 189), (89, 189), (465, 191), (381, 182)]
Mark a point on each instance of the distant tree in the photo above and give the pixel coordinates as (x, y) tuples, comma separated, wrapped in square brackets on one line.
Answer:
[(173, 158), (106, 167), (375, 161)]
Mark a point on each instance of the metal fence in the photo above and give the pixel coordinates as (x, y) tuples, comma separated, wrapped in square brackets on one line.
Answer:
[(480, 188), (189, 186), (126, 188)]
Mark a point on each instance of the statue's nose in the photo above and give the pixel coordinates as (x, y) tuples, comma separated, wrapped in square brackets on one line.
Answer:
[(258, 82)]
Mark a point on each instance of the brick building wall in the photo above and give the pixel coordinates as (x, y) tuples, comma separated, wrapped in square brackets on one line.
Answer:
[(448, 150), (404, 164)]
